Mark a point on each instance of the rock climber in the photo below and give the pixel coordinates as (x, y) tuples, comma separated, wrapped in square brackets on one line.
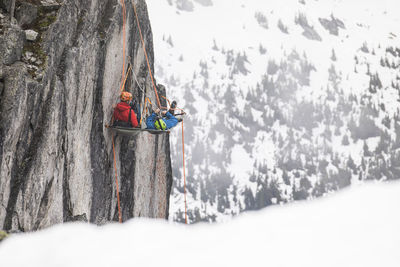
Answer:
[(124, 114), (164, 122)]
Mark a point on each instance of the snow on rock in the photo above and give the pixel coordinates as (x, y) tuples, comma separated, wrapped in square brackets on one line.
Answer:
[(308, 89), (348, 229)]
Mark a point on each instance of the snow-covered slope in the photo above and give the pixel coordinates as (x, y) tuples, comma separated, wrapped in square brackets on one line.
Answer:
[(286, 101), (348, 229)]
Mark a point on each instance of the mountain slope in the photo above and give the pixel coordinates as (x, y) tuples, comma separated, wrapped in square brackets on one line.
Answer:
[(286, 102)]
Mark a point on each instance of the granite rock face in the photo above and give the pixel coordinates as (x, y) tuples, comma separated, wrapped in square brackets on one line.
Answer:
[(56, 156), (11, 44), (26, 13)]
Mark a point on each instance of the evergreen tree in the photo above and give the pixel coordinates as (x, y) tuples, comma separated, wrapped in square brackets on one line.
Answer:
[(366, 151), (333, 56)]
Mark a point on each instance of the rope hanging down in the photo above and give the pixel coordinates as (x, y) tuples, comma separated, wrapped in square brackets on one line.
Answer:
[(122, 86), (145, 53), (123, 80), (159, 104)]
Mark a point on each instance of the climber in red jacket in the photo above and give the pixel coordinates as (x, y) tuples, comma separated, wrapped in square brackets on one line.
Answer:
[(124, 115)]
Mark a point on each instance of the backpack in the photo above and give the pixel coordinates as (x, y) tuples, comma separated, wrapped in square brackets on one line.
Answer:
[(159, 123), (124, 123)]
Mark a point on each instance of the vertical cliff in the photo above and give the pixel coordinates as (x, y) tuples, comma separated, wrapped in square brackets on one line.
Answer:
[(57, 92)]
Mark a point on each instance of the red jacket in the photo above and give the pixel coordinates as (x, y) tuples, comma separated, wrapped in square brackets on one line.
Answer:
[(121, 113)]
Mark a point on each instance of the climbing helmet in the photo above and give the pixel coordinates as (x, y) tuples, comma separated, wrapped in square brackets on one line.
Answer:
[(126, 96)]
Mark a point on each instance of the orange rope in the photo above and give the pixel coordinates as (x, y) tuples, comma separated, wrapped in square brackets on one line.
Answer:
[(127, 75), (148, 63), (145, 53), (184, 173), (116, 181), (123, 80), (169, 103), (144, 109), (121, 88), (146, 100)]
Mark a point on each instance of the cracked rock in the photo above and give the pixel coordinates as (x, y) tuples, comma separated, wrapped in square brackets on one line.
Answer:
[(56, 157), (26, 13), (11, 44)]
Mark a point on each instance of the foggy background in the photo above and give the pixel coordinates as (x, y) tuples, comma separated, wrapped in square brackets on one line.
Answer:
[(285, 102)]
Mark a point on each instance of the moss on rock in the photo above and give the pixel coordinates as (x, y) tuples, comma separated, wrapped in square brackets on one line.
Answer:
[(3, 235)]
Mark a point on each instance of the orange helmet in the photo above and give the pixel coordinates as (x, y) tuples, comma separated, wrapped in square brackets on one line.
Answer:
[(126, 96)]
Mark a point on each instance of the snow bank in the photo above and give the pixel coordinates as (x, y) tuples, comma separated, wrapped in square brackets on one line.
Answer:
[(357, 227)]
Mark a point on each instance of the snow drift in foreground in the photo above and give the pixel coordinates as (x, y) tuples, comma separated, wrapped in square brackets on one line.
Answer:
[(348, 229)]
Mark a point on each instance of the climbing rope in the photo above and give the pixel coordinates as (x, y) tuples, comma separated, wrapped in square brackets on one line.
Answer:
[(137, 82), (123, 80), (147, 100), (147, 60), (123, 46), (127, 75), (145, 53)]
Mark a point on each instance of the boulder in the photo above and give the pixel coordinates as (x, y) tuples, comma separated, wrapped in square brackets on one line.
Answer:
[(31, 35), (28, 54)]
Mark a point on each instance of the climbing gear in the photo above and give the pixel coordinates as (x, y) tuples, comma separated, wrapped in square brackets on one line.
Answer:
[(172, 107), (123, 113), (160, 124), (123, 45), (145, 53), (136, 109), (127, 74), (125, 123), (129, 131), (145, 108), (126, 96)]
